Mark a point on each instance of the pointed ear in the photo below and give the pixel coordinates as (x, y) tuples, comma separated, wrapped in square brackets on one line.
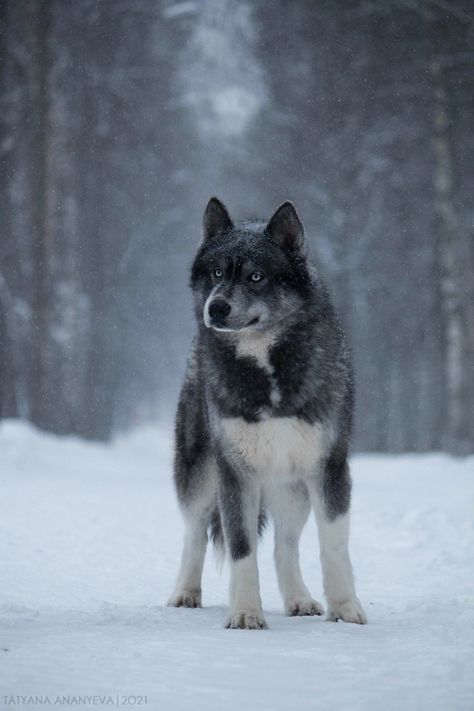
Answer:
[(216, 219), (285, 228)]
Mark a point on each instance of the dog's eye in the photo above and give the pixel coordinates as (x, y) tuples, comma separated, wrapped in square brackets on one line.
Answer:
[(256, 276), (218, 273)]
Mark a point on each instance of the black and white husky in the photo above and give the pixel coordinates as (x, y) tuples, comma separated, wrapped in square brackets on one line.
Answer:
[(264, 418)]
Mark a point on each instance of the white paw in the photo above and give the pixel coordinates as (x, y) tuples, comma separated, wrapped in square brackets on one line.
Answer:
[(185, 598), (349, 611), (297, 607), (246, 620)]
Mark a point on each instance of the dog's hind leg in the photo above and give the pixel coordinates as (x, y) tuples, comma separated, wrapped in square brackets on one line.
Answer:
[(330, 495), (187, 592), (289, 506), (197, 505), (195, 480), (239, 505)]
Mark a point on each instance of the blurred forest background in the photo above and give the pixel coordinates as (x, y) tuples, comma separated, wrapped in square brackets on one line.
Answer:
[(119, 119)]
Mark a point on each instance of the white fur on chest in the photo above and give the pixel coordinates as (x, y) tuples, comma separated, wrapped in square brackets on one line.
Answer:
[(278, 446), (257, 346)]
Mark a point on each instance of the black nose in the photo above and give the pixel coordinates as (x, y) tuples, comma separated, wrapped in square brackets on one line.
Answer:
[(219, 309)]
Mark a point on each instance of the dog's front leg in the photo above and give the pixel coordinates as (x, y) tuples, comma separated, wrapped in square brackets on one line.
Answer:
[(330, 495), (239, 504)]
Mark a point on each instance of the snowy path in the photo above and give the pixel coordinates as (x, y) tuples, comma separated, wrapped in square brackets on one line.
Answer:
[(89, 543)]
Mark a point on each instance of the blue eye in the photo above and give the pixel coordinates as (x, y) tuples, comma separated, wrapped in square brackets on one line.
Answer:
[(218, 273), (256, 277)]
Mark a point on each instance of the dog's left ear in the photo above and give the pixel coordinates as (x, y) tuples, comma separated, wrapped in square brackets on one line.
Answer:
[(216, 219), (286, 229)]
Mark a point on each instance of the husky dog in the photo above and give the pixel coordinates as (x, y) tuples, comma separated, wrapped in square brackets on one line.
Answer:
[(264, 418)]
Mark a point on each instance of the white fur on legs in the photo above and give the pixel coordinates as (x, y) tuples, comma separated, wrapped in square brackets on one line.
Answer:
[(187, 592), (241, 535), (289, 507), (336, 565), (245, 603)]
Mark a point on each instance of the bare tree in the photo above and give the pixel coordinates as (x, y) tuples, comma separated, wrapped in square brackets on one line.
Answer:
[(449, 238)]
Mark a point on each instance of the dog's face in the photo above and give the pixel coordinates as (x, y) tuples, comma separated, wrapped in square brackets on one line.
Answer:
[(249, 276)]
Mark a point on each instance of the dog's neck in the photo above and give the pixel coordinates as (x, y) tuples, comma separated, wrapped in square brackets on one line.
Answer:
[(256, 344)]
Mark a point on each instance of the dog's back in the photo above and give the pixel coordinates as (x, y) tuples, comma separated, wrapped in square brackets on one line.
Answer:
[(264, 416)]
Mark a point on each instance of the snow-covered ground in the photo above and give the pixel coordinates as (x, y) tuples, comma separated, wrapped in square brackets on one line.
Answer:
[(90, 537)]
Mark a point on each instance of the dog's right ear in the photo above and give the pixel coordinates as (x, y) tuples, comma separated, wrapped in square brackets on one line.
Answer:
[(216, 219), (286, 229)]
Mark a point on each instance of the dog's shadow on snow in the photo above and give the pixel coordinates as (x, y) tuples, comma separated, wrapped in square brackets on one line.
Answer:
[(212, 618)]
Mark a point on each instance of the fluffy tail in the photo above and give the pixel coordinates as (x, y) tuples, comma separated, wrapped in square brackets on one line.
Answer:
[(217, 534)]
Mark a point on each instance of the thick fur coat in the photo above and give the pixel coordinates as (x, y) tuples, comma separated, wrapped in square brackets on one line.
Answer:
[(264, 417)]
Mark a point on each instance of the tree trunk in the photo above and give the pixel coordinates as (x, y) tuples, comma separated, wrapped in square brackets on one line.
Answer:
[(446, 231), (40, 396)]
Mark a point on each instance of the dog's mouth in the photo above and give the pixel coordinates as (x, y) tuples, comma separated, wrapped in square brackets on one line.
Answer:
[(226, 329)]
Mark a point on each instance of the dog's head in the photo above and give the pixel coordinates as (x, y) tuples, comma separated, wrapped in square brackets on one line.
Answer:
[(249, 276)]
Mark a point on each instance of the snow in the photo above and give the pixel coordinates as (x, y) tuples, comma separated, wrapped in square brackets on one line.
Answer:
[(90, 538)]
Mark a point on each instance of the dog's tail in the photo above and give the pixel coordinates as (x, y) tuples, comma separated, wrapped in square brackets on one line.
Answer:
[(217, 537), (217, 534)]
